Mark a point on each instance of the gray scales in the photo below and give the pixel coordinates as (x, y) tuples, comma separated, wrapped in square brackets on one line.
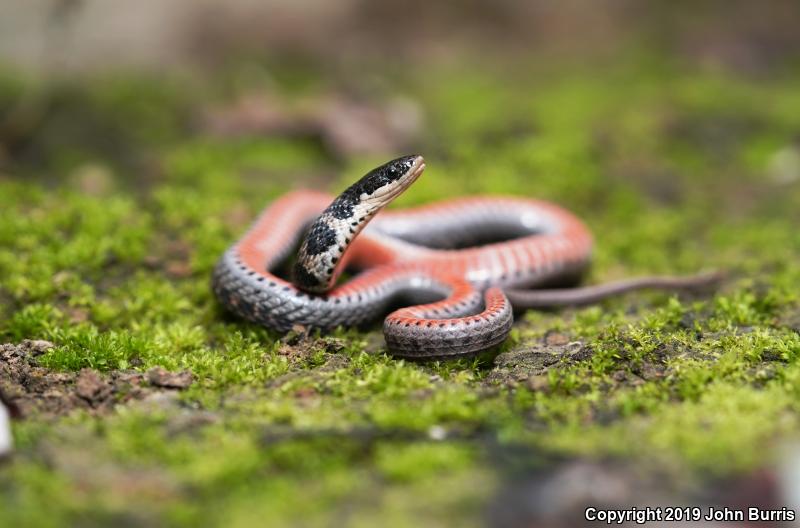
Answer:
[(324, 235)]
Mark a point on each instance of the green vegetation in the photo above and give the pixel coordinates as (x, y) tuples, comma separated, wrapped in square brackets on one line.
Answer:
[(108, 238)]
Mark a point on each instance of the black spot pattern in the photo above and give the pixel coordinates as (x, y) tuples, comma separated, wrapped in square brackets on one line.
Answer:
[(303, 278), (260, 297), (320, 238), (342, 207)]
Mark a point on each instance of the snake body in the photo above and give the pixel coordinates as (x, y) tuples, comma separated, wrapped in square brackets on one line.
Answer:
[(445, 265), (454, 302)]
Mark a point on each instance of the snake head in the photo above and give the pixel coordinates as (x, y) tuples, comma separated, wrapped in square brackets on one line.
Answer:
[(377, 188), (319, 260), (388, 173)]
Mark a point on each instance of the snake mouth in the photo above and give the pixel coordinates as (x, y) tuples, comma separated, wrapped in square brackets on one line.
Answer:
[(404, 182), (417, 167)]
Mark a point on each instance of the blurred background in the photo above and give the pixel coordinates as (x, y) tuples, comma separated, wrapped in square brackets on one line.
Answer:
[(139, 139), (74, 36), (357, 61)]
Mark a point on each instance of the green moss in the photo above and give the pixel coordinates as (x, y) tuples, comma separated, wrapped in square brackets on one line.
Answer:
[(670, 168)]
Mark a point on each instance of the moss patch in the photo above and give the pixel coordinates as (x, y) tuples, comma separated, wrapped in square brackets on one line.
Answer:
[(107, 253)]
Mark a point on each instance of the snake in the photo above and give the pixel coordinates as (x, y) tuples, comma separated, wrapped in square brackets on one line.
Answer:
[(447, 276)]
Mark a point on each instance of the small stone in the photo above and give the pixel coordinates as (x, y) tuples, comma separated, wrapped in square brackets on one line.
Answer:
[(784, 165), (93, 179), (151, 261), (178, 269), (78, 315), (91, 387), (688, 321), (285, 350), (538, 383), (582, 353), (132, 378), (38, 346), (161, 400), (62, 277), (332, 345), (297, 334), (790, 320), (189, 421), (305, 393), (650, 371), (770, 354), (553, 338), (619, 375), (161, 377), (437, 432)]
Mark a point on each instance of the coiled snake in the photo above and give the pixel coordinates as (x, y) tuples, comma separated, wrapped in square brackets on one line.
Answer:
[(454, 268)]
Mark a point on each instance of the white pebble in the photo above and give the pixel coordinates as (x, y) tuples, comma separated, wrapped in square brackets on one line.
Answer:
[(5, 431), (437, 432)]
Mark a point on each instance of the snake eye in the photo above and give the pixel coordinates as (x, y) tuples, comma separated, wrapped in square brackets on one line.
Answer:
[(396, 168)]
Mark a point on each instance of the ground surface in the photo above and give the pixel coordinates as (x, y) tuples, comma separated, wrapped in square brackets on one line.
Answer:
[(144, 403)]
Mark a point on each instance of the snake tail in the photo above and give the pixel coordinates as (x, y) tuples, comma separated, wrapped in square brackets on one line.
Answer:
[(449, 274), (558, 298)]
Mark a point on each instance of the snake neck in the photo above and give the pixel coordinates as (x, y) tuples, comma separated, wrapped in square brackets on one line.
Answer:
[(320, 257)]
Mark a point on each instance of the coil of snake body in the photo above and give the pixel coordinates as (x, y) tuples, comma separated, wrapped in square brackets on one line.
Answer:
[(456, 269)]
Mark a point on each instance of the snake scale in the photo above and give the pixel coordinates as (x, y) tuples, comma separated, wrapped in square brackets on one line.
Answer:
[(447, 270)]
